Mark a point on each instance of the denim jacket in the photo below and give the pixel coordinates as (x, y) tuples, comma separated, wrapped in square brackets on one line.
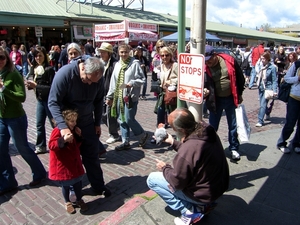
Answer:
[(271, 79)]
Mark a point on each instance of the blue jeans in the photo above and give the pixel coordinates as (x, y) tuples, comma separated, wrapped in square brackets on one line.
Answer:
[(42, 112), (25, 68), (227, 104), (16, 128), (144, 87), (130, 123), (175, 199), (263, 106), (89, 151), (292, 117), (252, 78)]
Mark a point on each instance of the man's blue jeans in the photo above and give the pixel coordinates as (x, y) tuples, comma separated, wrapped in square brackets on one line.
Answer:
[(227, 104), (175, 199), (16, 128), (252, 78), (42, 112), (292, 117)]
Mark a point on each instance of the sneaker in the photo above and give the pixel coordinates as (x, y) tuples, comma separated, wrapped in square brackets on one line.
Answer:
[(70, 208), (258, 125), (123, 146), (81, 204), (284, 149), (153, 141), (104, 192), (206, 209), (143, 98), (188, 219), (267, 117), (235, 155), (112, 140), (40, 149), (143, 139), (297, 149)]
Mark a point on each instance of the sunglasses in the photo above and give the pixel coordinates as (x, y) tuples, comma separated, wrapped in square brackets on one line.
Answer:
[(160, 46), (2, 57), (167, 55)]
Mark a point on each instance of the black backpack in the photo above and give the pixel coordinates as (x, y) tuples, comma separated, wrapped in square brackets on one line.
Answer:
[(245, 64)]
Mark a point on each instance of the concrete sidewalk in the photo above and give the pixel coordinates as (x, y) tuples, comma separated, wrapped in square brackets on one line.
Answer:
[(264, 189)]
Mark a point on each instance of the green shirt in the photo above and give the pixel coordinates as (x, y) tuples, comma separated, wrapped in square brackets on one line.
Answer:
[(221, 79), (14, 94)]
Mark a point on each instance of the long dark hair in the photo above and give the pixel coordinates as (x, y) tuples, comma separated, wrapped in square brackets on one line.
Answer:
[(44, 52)]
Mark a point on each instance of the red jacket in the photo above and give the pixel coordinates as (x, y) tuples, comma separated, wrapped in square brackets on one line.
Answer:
[(256, 53), (18, 58), (65, 161), (236, 78)]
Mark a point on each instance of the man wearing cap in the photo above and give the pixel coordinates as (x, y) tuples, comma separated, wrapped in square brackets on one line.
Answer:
[(225, 83), (106, 54)]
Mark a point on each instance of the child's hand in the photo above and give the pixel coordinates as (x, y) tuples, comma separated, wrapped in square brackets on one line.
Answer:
[(68, 138)]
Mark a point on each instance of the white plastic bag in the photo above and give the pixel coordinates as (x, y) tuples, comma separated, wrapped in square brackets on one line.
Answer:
[(243, 126)]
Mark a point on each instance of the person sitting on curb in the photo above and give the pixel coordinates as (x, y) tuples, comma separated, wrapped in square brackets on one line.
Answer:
[(200, 173)]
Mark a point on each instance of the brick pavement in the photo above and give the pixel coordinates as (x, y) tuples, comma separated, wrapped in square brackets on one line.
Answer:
[(125, 172)]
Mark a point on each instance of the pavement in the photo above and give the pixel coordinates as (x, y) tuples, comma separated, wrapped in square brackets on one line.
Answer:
[(264, 185)]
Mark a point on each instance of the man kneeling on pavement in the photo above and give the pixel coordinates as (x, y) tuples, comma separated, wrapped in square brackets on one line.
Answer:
[(200, 173)]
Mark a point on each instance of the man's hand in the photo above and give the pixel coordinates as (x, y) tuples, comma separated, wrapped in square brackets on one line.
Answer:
[(109, 102), (240, 99), (98, 130), (170, 139), (160, 164)]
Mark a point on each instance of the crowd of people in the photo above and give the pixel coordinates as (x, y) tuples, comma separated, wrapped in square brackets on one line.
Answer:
[(109, 82)]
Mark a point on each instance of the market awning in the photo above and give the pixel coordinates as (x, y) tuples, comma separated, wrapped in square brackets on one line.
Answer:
[(174, 37)]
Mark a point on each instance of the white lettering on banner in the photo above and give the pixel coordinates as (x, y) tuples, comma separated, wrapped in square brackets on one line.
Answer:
[(110, 27), (142, 26), (191, 77), (119, 37)]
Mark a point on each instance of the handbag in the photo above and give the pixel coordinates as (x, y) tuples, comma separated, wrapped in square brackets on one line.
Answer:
[(170, 97), (284, 91), (243, 126), (155, 86), (128, 99), (269, 94)]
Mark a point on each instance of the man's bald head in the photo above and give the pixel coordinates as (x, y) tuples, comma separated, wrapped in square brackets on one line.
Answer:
[(182, 120)]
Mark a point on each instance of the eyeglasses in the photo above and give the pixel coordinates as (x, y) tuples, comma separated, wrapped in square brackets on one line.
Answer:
[(160, 46), (2, 57), (167, 55)]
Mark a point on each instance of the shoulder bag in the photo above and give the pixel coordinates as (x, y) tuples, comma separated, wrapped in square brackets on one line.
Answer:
[(170, 97)]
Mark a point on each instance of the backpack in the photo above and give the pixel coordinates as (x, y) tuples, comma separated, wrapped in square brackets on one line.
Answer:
[(245, 64)]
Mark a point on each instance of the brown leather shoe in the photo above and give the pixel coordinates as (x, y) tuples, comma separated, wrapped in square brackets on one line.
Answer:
[(81, 204)]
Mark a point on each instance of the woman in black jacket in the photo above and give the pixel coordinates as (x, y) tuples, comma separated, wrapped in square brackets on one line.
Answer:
[(43, 76)]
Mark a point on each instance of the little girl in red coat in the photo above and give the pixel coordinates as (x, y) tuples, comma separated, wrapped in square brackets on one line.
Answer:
[(65, 164)]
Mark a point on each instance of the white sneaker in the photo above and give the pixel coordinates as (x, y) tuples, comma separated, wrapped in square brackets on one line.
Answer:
[(112, 140), (258, 125), (235, 155), (297, 149), (40, 149), (285, 150)]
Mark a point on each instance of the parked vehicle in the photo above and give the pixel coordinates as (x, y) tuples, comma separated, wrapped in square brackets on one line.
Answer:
[(230, 52), (289, 49)]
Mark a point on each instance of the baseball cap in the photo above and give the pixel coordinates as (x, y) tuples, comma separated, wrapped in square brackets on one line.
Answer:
[(106, 47), (209, 51)]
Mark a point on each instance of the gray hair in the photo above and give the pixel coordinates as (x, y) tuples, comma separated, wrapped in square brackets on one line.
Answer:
[(93, 64), (74, 45)]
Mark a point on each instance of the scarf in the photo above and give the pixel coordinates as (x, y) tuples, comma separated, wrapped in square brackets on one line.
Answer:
[(262, 75), (3, 74), (118, 95)]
